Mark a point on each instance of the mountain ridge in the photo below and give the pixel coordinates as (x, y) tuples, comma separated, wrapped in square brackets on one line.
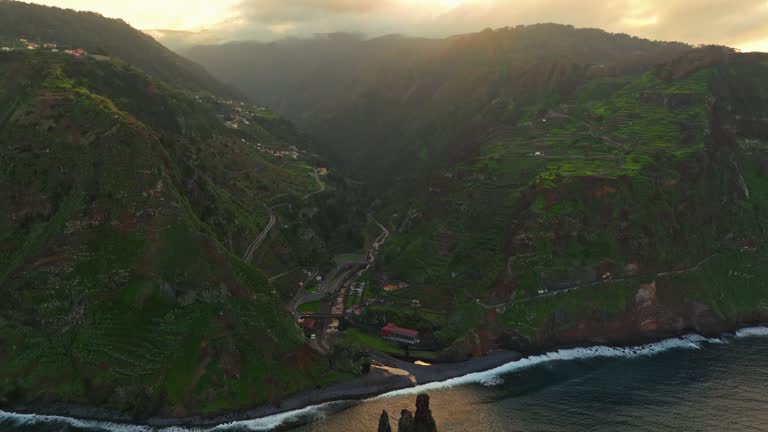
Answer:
[(107, 36)]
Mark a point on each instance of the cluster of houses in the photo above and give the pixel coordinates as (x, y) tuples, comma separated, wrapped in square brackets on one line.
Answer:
[(234, 123), (77, 52), (292, 151)]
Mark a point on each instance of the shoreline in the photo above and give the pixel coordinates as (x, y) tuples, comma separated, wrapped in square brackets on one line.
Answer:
[(378, 383)]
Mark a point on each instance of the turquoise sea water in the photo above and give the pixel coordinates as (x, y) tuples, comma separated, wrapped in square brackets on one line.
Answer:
[(685, 384)]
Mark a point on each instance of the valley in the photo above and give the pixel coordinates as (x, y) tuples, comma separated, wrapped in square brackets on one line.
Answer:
[(179, 247)]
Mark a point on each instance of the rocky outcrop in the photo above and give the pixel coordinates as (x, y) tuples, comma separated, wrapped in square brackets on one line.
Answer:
[(384, 423), (405, 424), (423, 420)]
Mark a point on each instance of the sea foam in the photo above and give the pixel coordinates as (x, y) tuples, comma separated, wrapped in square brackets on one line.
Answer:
[(488, 378), (752, 332)]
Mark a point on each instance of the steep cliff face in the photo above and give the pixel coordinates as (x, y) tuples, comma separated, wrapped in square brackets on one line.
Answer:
[(633, 209)]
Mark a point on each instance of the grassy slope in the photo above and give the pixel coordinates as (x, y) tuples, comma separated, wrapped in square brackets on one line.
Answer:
[(123, 285), (633, 172)]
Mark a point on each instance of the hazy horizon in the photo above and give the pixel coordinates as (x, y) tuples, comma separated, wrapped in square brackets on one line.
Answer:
[(737, 23)]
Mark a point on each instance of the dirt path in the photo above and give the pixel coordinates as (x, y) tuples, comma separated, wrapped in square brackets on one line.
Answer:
[(283, 274)]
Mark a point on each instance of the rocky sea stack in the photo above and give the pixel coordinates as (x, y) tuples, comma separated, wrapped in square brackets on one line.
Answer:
[(421, 422)]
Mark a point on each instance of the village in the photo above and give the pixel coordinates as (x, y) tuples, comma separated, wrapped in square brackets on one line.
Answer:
[(241, 116), (26, 44), (375, 316)]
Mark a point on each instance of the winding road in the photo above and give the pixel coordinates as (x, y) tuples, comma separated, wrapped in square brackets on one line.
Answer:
[(588, 285), (263, 235), (248, 256), (319, 183)]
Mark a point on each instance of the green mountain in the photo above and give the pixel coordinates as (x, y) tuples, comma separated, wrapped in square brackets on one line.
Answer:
[(542, 186), (104, 36), (412, 104), (632, 208), (545, 185), (127, 205)]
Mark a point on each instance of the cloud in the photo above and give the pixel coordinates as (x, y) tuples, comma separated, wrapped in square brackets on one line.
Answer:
[(739, 23), (729, 22), (283, 11)]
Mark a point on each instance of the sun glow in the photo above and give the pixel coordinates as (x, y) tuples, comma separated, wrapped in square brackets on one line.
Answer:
[(434, 6), (450, 3), (154, 14), (759, 46)]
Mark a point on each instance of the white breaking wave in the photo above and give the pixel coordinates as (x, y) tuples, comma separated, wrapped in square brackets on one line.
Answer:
[(489, 378), (752, 332), (274, 421), (29, 420), (691, 341)]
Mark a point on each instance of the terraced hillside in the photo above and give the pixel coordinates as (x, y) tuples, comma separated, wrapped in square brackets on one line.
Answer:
[(394, 108), (125, 210), (630, 208)]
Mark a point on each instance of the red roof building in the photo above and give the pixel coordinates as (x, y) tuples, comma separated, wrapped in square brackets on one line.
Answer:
[(398, 334), (308, 323)]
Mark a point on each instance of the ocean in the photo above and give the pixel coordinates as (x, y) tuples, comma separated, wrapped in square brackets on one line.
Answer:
[(683, 384)]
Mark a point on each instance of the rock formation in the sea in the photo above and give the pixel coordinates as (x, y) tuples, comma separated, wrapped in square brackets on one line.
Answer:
[(384, 422), (406, 422), (423, 421)]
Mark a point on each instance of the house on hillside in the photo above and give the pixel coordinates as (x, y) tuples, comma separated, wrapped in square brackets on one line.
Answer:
[(6, 49), (399, 334), (50, 45), (33, 46), (308, 323), (79, 52), (356, 311)]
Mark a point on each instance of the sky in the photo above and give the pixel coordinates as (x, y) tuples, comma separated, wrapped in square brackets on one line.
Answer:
[(739, 23)]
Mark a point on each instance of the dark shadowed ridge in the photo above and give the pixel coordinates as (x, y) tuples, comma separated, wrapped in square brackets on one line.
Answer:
[(399, 100)]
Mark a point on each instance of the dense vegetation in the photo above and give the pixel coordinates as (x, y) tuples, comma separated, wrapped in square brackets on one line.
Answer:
[(126, 206), (540, 183), (519, 163), (642, 178)]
